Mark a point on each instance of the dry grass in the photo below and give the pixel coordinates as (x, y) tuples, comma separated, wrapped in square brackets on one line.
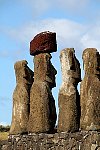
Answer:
[(3, 136)]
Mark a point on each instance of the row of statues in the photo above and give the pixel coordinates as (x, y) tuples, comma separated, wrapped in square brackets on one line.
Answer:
[(34, 108)]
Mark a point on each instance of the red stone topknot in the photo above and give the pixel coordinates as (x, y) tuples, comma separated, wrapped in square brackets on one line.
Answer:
[(44, 42)]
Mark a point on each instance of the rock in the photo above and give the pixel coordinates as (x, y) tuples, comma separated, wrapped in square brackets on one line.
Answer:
[(67, 141), (69, 100), (21, 97), (90, 91), (42, 116), (44, 42)]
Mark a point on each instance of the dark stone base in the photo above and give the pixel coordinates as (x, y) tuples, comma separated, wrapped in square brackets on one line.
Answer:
[(58, 141)]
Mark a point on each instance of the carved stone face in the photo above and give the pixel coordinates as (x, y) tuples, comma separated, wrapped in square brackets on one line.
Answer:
[(23, 72), (44, 70), (28, 75), (70, 65), (50, 75), (91, 60)]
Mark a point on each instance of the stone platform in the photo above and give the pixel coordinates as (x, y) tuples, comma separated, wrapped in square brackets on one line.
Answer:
[(59, 141)]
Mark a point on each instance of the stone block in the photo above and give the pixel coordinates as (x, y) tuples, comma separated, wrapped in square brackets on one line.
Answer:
[(44, 42)]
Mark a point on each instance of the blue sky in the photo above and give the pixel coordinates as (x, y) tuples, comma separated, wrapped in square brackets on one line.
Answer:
[(77, 24)]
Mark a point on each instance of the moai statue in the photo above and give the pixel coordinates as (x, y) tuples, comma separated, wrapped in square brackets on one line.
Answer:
[(90, 91), (21, 97), (42, 116), (69, 99)]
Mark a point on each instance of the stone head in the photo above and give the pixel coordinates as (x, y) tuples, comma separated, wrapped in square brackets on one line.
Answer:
[(70, 65), (23, 72), (91, 61), (44, 70)]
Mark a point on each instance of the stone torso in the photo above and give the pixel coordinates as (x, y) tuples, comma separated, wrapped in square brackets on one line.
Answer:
[(90, 91), (21, 98), (69, 104)]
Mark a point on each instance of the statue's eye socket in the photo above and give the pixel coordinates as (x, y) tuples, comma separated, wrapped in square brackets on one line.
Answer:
[(72, 67)]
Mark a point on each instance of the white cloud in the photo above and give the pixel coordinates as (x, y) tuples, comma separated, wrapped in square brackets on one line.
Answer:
[(4, 123), (74, 4), (69, 33), (35, 7), (24, 7), (15, 54), (91, 37), (40, 6)]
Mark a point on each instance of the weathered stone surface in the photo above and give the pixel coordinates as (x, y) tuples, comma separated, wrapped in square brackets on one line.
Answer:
[(59, 141), (21, 97), (44, 42), (69, 100), (42, 116), (90, 91), (4, 145)]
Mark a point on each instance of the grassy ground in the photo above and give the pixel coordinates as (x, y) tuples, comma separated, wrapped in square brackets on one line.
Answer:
[(3, 136)]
